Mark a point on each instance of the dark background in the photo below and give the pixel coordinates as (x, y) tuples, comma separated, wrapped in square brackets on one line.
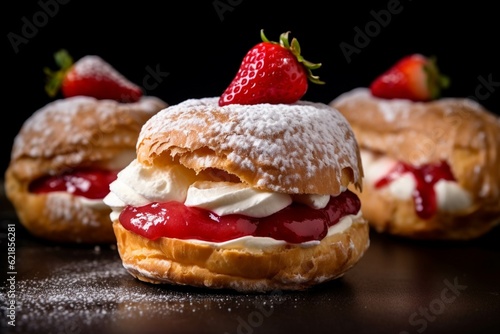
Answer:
[(201, 47)]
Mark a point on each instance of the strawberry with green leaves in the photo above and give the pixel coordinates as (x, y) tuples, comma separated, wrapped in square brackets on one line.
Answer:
[(271, 72), (414, 77), (89, 76)]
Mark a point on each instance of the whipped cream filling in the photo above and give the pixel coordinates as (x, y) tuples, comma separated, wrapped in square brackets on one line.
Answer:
[(92, 203), (450, 196), (138, 185), (224, 198), (66, 197)]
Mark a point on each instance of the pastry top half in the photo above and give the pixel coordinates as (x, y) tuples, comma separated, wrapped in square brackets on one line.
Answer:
[(80, 131), (302, 148), (457, 130)]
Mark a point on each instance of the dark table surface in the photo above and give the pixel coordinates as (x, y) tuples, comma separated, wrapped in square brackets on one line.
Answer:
[(399, 286)]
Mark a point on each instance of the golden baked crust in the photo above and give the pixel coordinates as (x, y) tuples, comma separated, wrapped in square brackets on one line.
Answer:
[(457, 130), (76, 132), (389, 215), (288, 267), (59, 217), (303, 148), (64, 135)]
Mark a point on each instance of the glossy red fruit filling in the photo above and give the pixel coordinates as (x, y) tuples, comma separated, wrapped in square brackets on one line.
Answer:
[(426, 176), (87, 182), (296, 223)]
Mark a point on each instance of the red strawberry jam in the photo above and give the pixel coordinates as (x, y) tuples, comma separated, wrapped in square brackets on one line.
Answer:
[(426, 176), (296, 223), (87, 182)]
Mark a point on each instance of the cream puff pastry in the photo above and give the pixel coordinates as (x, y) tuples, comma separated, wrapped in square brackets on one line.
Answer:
[(64, 158), (432, 167), (251, 198)]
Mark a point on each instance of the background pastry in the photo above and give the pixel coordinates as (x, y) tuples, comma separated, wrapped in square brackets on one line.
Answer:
[(66, 154), (431, 163)]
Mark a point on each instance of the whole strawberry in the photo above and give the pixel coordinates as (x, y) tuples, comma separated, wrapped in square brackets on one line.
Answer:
[(414, 77), (271, 72), (89, 76)]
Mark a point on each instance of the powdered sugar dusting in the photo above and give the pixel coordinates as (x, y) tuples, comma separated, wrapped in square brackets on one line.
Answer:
[(63, 207), (390, 109), (79, 120), (311, 132), (95, 67)]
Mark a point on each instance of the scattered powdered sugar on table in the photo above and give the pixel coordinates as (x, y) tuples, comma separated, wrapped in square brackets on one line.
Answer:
[(95, 291), (86, 293)]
